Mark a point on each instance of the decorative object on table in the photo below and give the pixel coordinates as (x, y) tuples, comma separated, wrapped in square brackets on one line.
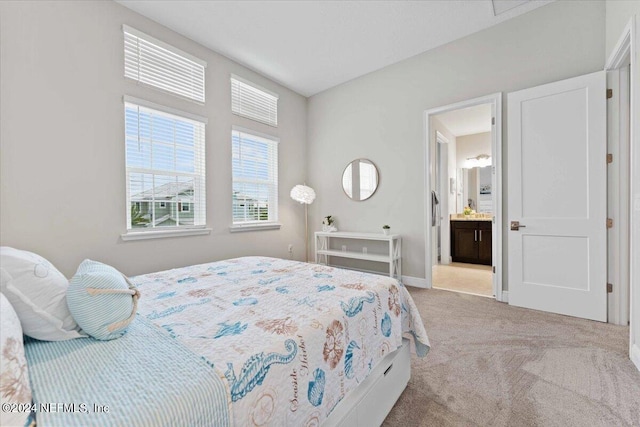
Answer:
[(468, 211), (305, 195), (386, 229), (327, 224)]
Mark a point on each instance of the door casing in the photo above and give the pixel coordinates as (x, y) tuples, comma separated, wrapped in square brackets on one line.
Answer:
[(496, 181), (625, 53)]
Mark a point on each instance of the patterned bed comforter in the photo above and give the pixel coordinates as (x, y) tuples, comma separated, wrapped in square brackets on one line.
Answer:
[(292, 339)]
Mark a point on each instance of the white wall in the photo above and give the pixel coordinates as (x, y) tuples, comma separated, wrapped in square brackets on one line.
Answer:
[(380, 116), (471, 146), (447, 200), (62, 149), (453, 174), (635, 200), (618, 13)]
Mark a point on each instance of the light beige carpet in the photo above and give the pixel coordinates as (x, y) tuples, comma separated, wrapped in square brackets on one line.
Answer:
[(471, 278), (495, 365)]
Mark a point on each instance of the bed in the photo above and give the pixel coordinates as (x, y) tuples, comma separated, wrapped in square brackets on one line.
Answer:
[(246, 341)]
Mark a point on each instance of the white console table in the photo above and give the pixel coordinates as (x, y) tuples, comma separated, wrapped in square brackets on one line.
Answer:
[(393, 257)]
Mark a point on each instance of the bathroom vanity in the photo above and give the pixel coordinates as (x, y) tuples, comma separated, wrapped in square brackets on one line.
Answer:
[(471, 239)]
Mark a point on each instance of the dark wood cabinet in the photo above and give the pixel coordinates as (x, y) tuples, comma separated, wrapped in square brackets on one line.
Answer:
[(484, 242), (471, 242)]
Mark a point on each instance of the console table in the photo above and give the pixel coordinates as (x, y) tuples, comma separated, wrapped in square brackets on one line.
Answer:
[(392, 257)]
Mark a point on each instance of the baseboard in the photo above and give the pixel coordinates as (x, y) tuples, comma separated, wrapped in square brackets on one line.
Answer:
[(505, 296), (415, 282), (635, 355)]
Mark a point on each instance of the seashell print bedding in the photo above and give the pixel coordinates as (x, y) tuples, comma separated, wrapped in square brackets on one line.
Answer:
[(291, 338)]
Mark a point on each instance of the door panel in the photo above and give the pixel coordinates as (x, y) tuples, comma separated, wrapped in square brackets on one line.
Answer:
[(465, 241), (550, 187), (557, 191), (556, 261), (484, 243)]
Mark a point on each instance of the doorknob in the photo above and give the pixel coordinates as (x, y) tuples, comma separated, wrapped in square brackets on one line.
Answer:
[(515, 225)]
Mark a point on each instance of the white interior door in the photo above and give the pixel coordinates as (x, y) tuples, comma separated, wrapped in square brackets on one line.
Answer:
[(557, 192)]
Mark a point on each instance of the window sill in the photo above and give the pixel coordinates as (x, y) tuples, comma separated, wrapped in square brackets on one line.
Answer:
[(254, 227), (144, 235)]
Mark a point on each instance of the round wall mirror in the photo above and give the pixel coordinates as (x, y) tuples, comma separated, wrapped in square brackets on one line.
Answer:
[(360, 179)]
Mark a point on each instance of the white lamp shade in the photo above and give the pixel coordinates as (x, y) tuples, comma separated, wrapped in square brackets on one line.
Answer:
[(303, 194)]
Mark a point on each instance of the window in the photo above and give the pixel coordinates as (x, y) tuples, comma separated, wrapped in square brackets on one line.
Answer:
[(252, 101), (158, 64), (165, 167), (255, 178)]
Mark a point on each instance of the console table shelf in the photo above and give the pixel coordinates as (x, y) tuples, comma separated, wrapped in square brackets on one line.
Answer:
[(393, 257)]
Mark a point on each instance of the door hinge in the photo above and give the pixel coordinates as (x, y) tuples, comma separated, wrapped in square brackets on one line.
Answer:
[(609, 158), (609, 288), (609, 93), (494, 269), (493, 120), (609, 223)]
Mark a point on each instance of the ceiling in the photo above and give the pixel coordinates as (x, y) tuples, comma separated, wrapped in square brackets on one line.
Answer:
[(311, 46), (467, 121)]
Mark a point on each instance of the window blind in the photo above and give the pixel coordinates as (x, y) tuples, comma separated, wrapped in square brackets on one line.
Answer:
[(158, 64), (255, 177), (165, 169), (252, 101)]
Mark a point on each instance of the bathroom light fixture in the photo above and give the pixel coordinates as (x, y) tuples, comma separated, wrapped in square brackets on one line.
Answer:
[(479, 161)]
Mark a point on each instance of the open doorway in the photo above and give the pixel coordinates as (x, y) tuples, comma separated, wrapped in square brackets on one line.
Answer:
[(463, 226)]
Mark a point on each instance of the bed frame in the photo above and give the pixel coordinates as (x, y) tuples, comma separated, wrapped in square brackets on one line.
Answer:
[(370, 403)]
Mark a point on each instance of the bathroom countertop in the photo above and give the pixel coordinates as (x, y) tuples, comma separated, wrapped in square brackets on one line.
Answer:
[(455, 218)]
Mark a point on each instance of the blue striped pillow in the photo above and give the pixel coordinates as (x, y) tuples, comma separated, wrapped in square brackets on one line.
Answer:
[(101, 300)]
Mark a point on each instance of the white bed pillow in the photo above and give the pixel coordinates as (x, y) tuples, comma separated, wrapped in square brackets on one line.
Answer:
[(38, 293), (15, 390)]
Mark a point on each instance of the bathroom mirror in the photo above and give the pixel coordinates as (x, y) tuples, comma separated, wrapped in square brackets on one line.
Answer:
[(475, 187), (360, 179)]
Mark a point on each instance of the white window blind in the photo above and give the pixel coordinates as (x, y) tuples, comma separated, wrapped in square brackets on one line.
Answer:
[(158, 64), (165, 168), (255, 177), (252, 101)]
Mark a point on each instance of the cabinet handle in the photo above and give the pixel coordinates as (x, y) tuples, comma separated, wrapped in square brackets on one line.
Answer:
[(475, 235), (481, 235)]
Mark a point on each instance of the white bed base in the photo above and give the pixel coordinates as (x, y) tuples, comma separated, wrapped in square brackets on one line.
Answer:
[(370, 403)]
